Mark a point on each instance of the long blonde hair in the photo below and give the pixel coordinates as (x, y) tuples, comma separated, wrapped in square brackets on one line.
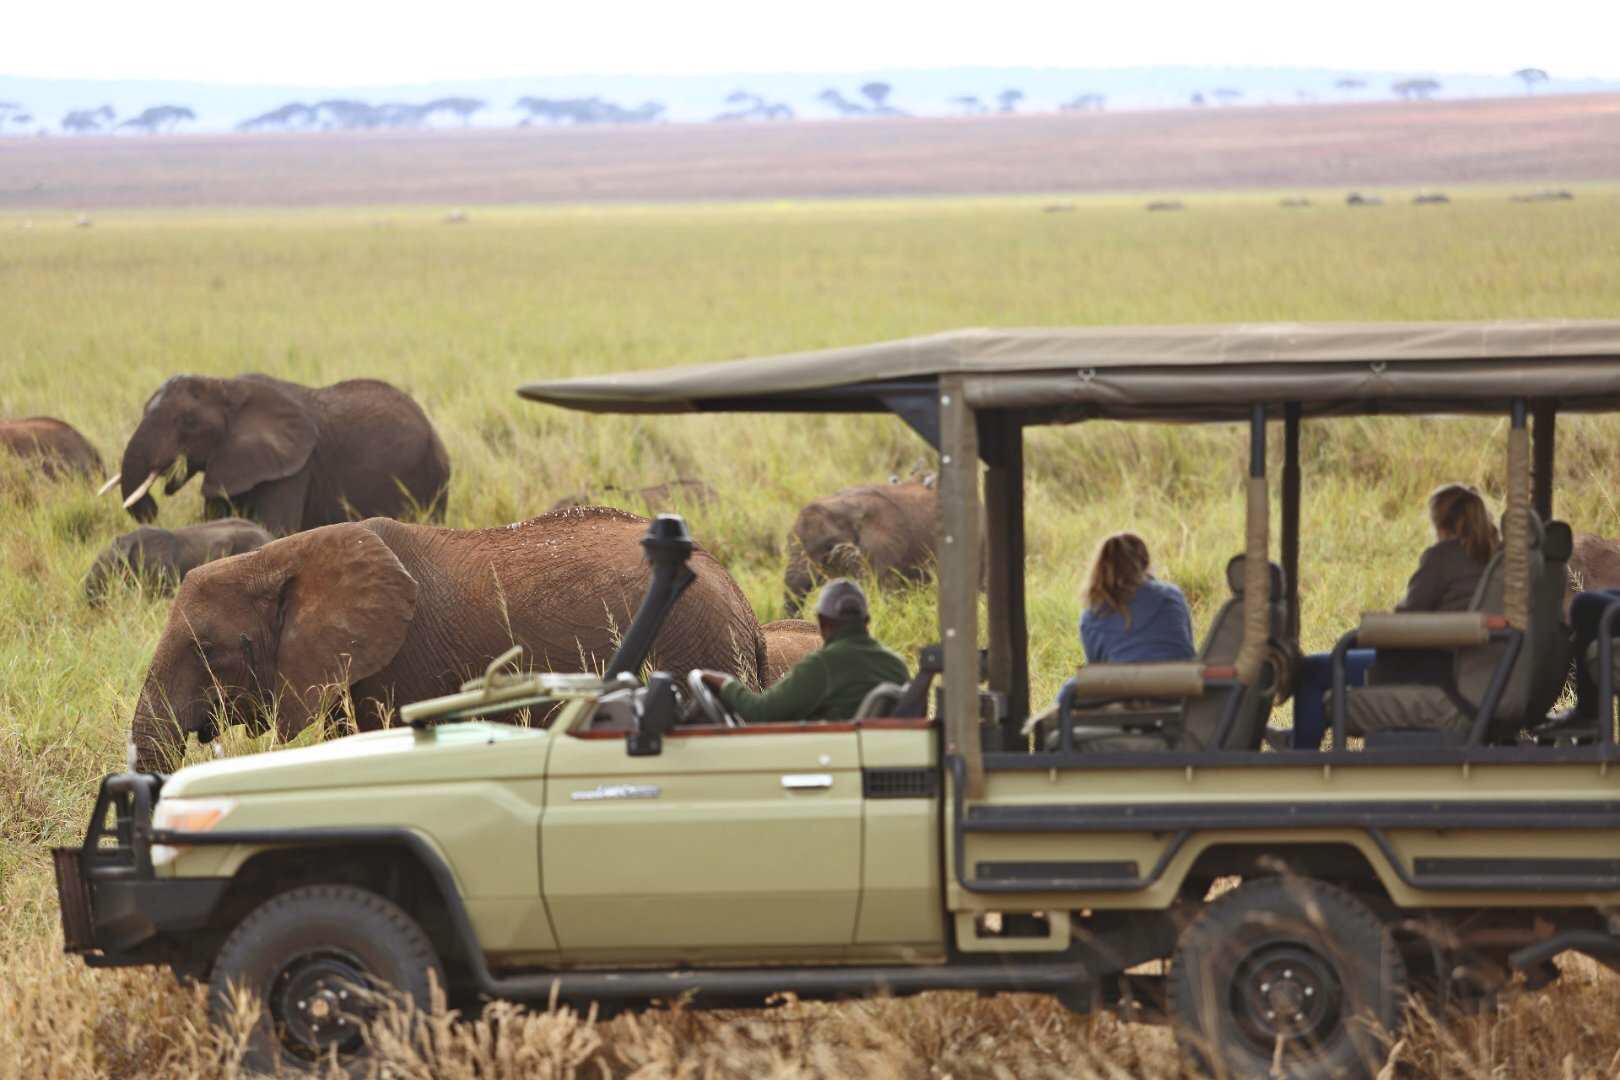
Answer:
[(1122, 564), (1459, 510)]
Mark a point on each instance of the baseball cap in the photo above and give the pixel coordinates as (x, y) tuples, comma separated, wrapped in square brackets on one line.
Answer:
[(841, 598)]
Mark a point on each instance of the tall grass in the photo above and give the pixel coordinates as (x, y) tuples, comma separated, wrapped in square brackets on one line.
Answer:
[(94, 319)]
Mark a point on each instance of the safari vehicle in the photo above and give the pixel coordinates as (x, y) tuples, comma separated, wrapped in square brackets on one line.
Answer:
[(646, 845)]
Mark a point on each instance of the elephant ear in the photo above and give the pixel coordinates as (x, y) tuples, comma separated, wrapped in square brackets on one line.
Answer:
[(270, 435), (346, 605)]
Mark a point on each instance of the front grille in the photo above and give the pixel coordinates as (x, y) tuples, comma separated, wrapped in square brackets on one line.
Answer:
[(920, 783), (73, 894)]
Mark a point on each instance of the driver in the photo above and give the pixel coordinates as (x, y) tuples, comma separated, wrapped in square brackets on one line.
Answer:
[(828, 684)]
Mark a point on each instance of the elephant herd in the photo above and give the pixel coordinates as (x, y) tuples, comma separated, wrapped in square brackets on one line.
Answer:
[(302, 587)]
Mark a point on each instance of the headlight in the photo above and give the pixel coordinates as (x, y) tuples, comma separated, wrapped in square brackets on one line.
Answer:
[(185, 815)]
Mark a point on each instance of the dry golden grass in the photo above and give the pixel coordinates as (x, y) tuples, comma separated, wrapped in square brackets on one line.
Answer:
[(460, 315)]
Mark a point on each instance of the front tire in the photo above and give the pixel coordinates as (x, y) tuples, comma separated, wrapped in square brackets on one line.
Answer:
[(314, 957), (1287, 970)]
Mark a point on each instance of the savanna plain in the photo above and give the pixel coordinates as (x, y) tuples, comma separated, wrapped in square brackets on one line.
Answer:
[(93, 319)]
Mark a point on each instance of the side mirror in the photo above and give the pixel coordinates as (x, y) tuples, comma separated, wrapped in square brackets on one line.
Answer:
[(656, 710)]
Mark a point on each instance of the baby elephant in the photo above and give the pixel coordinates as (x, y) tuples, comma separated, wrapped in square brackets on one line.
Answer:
[(159, 558), (886, 530), (54, 447)]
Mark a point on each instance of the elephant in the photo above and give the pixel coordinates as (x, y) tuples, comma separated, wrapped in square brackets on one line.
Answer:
[(1594, 563), (787, 641), (887, 530), (657, 498), (57, 445), (290, 457), (389, 612), (160, 558)]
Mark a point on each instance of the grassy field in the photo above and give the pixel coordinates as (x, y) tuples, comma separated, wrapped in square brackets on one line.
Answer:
[(94, 319)]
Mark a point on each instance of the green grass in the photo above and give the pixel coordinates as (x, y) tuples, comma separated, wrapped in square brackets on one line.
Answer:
[(94, 319)]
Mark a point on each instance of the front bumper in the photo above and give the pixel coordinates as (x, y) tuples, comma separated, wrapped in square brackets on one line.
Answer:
[(115, 909)]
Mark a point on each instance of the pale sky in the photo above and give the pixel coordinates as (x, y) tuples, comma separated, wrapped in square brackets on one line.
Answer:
[(367, 42)]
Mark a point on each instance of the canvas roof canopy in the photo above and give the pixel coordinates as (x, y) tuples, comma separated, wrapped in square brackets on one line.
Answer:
[(1175, 373)]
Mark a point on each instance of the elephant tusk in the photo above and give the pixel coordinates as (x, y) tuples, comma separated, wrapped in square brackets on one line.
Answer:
[(112, 482), (140, 493)]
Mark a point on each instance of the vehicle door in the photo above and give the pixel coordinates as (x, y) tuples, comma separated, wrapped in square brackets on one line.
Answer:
[(731, 840)]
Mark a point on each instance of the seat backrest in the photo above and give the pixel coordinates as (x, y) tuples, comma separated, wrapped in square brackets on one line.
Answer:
[(1202, 716), (879, 701), (913, 699), (1553, 646), (1474, 665)]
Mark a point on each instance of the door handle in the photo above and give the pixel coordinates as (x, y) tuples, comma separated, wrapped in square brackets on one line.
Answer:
[(807, 781)]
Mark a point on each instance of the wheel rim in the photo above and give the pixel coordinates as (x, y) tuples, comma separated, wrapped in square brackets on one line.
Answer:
[(319, 1000), (1286, 991)]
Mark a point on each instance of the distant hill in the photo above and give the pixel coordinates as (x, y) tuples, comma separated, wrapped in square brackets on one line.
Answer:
[(933, 92)]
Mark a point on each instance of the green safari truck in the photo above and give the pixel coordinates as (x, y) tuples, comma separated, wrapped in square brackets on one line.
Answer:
[(1152, 843)]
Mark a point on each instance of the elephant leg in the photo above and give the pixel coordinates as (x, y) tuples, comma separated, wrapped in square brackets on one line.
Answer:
[(279, 505)]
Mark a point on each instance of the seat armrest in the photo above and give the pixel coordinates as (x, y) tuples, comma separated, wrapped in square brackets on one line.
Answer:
[(1426, 629), (1172, 680)]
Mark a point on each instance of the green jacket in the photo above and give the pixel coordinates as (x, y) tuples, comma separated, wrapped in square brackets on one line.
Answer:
[(829, 684)]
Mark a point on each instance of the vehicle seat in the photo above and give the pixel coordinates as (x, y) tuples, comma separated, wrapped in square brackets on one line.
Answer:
[(1203, 715), (913, 700), (1199, 718), (1412, 714), (879, 701), (1551, 670)]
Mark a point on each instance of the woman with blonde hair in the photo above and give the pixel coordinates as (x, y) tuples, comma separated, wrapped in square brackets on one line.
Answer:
[(1131, 617), (1448, 572)]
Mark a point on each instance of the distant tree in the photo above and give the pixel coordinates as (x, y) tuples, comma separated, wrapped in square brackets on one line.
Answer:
[(836, 101), (1084, 103), (969, 104), (877, 93), (1349, 84), (1530, 76), (292, 114), (461, 107), (22, 118), (345, 114), (84, 121), (1415, 89), (1009, 98), (160, 118), (1226, 95), (1196, 99), (753, 107)]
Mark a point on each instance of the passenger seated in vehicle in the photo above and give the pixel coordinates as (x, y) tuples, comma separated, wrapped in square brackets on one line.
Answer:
[(1448, 572), (1130, 616), (830, 683), (1585, 616)]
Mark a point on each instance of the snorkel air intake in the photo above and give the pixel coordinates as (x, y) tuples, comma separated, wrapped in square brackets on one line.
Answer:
[(669, 548)]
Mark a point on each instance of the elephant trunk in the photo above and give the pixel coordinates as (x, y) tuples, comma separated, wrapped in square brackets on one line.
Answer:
[(149, 453), (797, 583), (100, 575), (171, 706)]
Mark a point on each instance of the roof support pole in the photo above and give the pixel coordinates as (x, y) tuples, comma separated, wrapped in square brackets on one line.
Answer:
[(959, 578), (1545, 442), (1290, 515), (1001, 437), (1256, 556), (1516, 523)]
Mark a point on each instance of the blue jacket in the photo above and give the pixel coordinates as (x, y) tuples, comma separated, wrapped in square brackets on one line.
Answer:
[(1160, 628)]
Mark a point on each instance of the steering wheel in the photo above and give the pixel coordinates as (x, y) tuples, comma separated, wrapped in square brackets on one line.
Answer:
[(708, 704)]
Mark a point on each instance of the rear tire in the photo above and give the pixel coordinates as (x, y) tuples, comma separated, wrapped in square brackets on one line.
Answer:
[(309, 955), (1290, 962)]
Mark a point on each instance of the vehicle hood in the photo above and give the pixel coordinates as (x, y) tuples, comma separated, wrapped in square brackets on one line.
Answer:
[(470, 751)]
